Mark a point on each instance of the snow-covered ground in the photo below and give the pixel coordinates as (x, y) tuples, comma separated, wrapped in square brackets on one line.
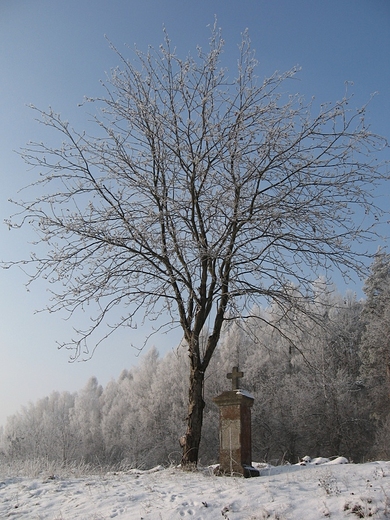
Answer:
[(319, 489)]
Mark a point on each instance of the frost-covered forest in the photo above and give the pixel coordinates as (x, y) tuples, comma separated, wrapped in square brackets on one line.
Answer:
[(325, 394)]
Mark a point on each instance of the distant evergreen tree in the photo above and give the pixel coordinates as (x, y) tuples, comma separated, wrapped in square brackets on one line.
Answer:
[(375, 350)]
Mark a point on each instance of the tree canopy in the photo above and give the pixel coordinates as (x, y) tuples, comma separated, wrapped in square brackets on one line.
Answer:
[(203, 192)]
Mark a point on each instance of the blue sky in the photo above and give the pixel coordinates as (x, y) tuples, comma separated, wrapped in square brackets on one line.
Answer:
[(54, 52)]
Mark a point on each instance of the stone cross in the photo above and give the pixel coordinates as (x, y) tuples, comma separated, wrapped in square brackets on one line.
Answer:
[(235, 376), (235, 436)]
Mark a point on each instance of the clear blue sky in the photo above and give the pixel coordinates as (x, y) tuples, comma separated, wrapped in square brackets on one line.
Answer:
[(53, 53)]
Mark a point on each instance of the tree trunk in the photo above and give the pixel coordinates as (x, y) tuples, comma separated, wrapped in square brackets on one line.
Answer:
[(191, 440)]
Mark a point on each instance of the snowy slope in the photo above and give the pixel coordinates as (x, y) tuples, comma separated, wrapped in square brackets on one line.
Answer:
[(298, 492)]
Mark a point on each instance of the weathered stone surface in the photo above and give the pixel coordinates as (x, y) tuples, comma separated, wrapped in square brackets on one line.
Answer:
[(235, 454)]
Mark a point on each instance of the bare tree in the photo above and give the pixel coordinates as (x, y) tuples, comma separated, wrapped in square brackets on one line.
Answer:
[(201, 194)]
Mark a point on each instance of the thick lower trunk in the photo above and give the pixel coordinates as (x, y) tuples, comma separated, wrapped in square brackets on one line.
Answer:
[(191, 440)]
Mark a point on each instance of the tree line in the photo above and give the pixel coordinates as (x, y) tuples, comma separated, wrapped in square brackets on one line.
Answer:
[(325, 393)]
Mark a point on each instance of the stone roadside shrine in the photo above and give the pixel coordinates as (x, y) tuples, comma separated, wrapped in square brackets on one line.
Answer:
[(235, 435)]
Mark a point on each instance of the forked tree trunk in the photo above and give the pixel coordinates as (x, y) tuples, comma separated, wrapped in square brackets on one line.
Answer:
[(191, 440)]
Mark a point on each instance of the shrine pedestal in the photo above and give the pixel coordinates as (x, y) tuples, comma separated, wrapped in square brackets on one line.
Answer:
[(235, 437)]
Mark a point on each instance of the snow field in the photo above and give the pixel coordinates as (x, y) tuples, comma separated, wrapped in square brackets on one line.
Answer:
[(310, 492)]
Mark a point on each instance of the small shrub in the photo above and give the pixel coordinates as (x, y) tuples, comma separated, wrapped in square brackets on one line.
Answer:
[(329, 484)]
